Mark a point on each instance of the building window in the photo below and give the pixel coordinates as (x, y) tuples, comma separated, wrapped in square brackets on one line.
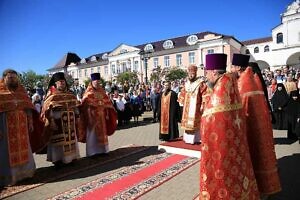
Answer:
[(98, 69), (80, 73), (167, 61), (267, 48), (122, 51), (73, 74), (92, 70), (93, 59), (256, 50), (135, 65), (106, 70), (210, 51), (298, 37), (124, 67), (192, 57), (113, 69), (247, 51), (82, 61), (155, 62), (192, 39), (149, 48), (85, 73), (105, 56), (129, 65), (279, 38), (168, 44), (118, 69), (178, 59)]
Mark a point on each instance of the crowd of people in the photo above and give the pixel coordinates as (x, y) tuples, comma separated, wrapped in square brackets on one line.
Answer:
[(217, 111)]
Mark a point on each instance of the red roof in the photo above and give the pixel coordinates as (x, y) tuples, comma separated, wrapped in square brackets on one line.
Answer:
[(259, 40)]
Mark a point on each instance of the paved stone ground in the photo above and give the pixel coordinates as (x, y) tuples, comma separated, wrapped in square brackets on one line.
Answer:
[(183, 186)]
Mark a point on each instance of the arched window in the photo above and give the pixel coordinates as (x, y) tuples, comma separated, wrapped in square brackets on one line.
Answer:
[(192, 39), (149, 48), (279, 38), (105, 56), (267, 48), (168, 44), (256, 50), (247, 51), (93, 58), (82, 61)]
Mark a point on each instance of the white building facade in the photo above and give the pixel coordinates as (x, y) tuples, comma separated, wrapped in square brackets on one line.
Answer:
[(283, 47)]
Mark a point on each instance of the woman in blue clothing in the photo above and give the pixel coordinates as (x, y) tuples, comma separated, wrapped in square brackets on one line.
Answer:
[(136, 102)]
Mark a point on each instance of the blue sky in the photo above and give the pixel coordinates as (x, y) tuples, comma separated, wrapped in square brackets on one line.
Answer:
[(35, 34)]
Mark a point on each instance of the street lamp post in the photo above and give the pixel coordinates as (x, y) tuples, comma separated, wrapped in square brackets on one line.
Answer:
[(146, 69), (145, 57)]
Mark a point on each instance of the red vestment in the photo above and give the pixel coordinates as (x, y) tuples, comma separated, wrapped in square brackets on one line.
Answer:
[(226, 170), (15, 104), (259, 133), (68, 125), (101, 111)]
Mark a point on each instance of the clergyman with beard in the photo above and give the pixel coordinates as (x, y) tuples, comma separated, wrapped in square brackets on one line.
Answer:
[(62, 121), (99, 116), (168, 114), (19, 124), (191, 99), (225, 152)]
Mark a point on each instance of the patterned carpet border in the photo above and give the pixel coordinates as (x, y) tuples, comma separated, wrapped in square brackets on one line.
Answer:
[(137, 190), (49, 175)]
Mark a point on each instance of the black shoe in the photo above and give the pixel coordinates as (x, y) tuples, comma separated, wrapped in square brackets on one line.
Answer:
[(103, 154), (58, 164)]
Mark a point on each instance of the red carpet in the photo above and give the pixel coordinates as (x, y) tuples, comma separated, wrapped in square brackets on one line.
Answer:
[(133, 181), (179, 143), (49, 174)]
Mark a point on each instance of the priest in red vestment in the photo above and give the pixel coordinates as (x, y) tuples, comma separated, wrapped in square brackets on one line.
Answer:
[(61, 116), (20, 131), (168, 114), (258, 126), (226, 170), (191, 99), (99, 116)]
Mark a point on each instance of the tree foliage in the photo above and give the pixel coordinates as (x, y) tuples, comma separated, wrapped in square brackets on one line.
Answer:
[(158, 73), (131, 77), (176, 74), (30, 80)]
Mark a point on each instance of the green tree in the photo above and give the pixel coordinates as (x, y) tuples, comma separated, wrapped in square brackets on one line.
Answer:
[(30, 80), (176, 74), (131, 77), (156, 74), (159, 73)]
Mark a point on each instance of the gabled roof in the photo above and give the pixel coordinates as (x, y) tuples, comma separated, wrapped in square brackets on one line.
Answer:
[(67, 60), (257, 41)]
